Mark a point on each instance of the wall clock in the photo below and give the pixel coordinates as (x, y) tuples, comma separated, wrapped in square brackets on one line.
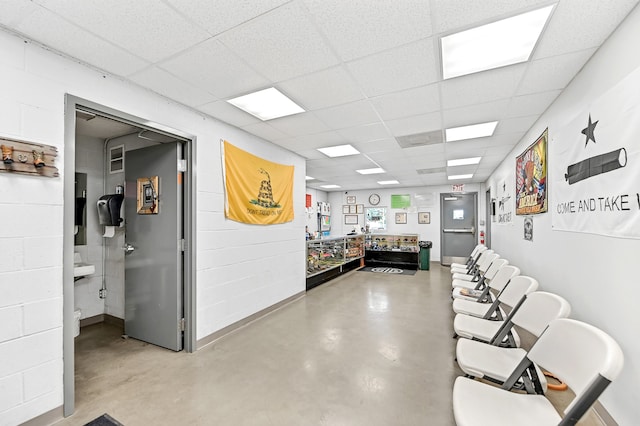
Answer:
[(374, 199)]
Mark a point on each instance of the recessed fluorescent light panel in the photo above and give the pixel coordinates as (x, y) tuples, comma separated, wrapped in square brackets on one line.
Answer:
[(373, 171), (470, 132), (330, 186), (339, 151), (309, 178), (388, 182), (457, 177), (463, 161), (266, 104), (506, 42)]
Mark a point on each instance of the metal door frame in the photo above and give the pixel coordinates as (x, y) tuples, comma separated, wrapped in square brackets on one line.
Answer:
[(489, 214), (475, 213), (189, 222)]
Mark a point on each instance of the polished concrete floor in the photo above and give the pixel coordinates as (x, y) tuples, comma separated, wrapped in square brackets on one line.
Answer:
[(363, 349)]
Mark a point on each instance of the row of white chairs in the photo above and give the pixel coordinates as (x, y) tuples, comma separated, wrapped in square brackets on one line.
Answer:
[(491, 298)]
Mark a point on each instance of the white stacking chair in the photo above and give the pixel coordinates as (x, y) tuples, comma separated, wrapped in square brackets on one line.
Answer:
[(485, 260), (472, 257), (484, 305), (490, 330), (495, 363), (484, 280), (469, 269), (559, 348)]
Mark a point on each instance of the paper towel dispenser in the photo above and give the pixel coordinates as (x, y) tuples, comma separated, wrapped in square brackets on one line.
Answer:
[(109, 209)]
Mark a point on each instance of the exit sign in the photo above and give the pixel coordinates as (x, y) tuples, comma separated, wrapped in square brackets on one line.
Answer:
[(458, 187)]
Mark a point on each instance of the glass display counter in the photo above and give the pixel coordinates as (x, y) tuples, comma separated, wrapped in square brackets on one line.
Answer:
[(400, 250), (329, 257)]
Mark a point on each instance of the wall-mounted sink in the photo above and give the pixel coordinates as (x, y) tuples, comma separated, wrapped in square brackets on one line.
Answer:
[(81, 269)]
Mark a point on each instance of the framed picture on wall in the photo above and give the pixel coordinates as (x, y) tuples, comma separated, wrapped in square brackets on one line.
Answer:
[(360, 208), (351, 219), (345, 209), (351, 199), (401, 218), (424, 217)]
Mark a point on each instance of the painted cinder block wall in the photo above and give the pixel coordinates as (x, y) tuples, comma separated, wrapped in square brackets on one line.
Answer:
[(240, 269), (597, 274)]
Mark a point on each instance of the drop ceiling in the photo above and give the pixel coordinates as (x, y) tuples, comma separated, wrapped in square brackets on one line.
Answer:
[(367, 72)]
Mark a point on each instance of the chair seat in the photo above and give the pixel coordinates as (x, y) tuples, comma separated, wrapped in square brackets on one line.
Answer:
[(480, 359), (463, 284), (459, 271), (480, 329), (465, 277), (468, 306), (476, 403)]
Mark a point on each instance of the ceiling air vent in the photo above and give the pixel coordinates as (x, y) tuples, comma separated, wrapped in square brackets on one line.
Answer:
[(420, 139), (430, 171)]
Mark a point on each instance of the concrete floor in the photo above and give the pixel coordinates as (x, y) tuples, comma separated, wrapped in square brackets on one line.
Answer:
[(363, 349)]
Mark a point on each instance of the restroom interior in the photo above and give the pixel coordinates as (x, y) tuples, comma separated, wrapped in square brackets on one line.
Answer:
[(100, 161)]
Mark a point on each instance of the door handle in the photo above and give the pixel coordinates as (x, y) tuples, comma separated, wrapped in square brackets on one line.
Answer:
[(128, 248), (460, 230)]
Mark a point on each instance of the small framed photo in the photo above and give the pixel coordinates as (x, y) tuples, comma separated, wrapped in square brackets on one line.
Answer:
[(352, 209), (360, 208), (351, 199), (401, 218), (424, 217), (351, 219), (345, 209)]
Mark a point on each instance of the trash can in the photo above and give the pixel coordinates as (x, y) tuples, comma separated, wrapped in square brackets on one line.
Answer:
[(425, 254)]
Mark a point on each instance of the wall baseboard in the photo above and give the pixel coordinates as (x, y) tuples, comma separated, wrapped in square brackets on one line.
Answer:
[(201, 343), (48, 418), (106, 318)]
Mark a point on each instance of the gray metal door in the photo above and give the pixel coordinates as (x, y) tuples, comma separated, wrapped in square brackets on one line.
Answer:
[(153, 261), (458, 226)]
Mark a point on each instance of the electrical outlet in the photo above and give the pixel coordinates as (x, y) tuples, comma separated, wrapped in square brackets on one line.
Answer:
[(102, 293)]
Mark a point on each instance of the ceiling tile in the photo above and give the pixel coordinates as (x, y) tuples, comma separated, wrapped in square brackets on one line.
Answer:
[(388, 144), (264, 131), (147, 28), (214, 68), (475, 114), (415, 101), (416, 124), (349, 115), (404, 67), (369, 132), (515, 125), (299, 124), (224, 111), (581, 24), (482, 87), (13, 12), (282, 44), (48, 28), (450, 15), (172, 87), (537, 103), (316, 140), (553, 73), (217, 17), (357, 28), (326, 88)]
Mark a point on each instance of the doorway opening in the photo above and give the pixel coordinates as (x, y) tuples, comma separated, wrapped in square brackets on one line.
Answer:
[(458, 226), (98, 143)]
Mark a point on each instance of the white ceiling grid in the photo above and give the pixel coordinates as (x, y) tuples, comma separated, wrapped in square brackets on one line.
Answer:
[(366, 71)]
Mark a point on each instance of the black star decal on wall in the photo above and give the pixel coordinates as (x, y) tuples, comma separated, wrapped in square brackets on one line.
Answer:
[(588, 131)]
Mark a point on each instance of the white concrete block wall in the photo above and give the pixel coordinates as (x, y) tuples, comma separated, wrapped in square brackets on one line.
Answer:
[(34, 82), (595, 273)]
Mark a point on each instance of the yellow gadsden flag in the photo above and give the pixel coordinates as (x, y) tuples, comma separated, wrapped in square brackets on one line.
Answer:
[(257, 191)]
